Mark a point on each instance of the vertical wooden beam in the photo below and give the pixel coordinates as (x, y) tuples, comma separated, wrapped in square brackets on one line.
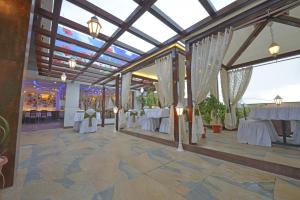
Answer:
[(132, 101), (103, 107), (189, 90), (117, 100), (175, 69), (16, 25)]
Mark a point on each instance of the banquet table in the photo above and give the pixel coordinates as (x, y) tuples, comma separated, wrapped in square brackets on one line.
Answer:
[(283, 113)]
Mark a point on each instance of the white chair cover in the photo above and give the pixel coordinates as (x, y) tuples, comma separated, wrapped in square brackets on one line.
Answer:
[(256, 132), (164, 125), (85, 128)]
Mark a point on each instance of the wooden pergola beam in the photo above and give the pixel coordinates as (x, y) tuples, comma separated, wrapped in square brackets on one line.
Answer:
[(128, 23), (56, 14), (287, 20), (247, 42), (267, 59), (208, 7)]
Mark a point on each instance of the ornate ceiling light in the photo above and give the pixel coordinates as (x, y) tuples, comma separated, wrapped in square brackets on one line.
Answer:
[(274, 47), (63, 77), (72, 63), (94, 26)]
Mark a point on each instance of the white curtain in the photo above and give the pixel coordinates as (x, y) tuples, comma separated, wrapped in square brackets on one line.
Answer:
[(165, 80), (160, 97), (207, 57), (234, 85), (181, 88), (126, 81), (214, 87)]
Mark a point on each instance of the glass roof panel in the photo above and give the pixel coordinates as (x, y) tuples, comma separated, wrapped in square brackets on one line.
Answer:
[(185, 13), (104, 66), (66, 55), (218, 4), (157, 30), (76, 35), (123, 52), (45, 50), (136, 42), (74, 47), (119, 8), (46, 24), (81, 16), (113, 60)]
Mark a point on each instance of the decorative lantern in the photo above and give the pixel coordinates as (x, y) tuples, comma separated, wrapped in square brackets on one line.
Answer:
[(63, 77), (94, 26), (274, 47), (72, 63), (278, 100), (179, 109), (116, 109), (142, 90)]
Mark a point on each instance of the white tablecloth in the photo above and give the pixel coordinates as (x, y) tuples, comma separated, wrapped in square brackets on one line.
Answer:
[(275, 113), (157, 112), (256, 132)]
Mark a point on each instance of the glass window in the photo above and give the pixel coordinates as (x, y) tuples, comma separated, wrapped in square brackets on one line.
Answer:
[(47, 5), (113, 60), (218, 4), (81, 16), (74, 47), (45, 39), (153, 27), (104, 66), (119, 8), (123, 52), (136, 42), (66, 55), (185, 13), (76, 35), (45, 50)]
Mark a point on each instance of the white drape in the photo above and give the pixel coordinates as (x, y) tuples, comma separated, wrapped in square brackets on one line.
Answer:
[(160, 97), (165, 80), (234, 85), (126, 81), (214, 87), (181, 88), (207, 57)]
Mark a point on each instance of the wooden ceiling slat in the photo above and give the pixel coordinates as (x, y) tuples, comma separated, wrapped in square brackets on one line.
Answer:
[(288, 20), (56, 13), (208, 7), (248, 41)]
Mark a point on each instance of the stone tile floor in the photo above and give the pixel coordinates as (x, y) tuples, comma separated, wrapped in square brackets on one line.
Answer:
[(227, 142), (58, 164)]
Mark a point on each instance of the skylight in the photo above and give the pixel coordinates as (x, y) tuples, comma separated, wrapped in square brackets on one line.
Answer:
[(122, 52), (76, 35), (66, 55), (104, 66), (81, 16), (153, 27), (218, 4), (112, 60), (74, 47), (136, 42), (186, 13), (119, 8)]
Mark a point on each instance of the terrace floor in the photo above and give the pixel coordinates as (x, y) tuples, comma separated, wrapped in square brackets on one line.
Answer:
[(60, 164)]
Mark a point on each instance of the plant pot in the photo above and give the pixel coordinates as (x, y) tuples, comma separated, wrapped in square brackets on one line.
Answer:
[(217, 128)]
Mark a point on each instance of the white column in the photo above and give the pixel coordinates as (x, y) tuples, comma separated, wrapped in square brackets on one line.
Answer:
[(71, 103)]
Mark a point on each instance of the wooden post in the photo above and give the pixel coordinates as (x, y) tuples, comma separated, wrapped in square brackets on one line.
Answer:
[(117, 100), (103, 107), (16, 24), (175, 66), (132, 101), (189, 89)]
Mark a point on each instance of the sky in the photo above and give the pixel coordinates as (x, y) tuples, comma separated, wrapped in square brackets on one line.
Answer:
[(267, 81)]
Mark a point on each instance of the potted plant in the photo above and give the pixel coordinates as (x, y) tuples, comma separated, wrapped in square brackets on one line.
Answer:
[(213, 112), (4, 136)]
